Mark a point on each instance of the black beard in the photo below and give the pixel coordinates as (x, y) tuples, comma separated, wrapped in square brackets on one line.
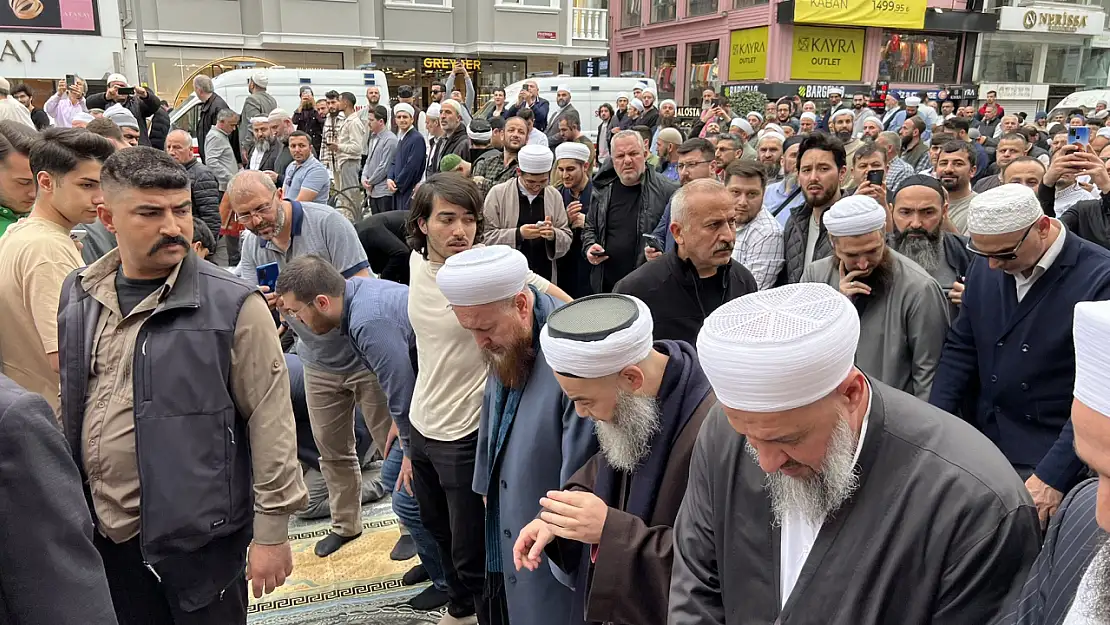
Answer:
[(772, 170), (923, 250), (845, 136), (880, 279)]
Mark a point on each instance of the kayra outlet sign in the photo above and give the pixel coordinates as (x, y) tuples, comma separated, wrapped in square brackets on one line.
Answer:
[(832, 54)]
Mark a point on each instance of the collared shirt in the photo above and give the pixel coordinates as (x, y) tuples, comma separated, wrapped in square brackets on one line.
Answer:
[(897, 173), (9, 217), (537, 138), (1022, 282), (259, 385), (492, 170), (63, 110), (308, 175), (760, 248), (778, 193), (258, 152), (1070, 195)]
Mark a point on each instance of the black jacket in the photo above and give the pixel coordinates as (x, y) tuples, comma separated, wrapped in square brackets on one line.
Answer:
[(309, 122), (384, 238), (670, 287), (207, 118), (40, 119), (206, 194), (796, 236), (1090, 219), (457, 143), (141, 108), (159, 128), (50, 571), (956, 254), (655, 194)]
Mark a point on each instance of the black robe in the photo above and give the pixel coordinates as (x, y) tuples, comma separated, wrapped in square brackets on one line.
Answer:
[(941, 530)]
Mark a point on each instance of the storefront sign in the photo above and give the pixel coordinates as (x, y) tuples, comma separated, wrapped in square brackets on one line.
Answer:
[(1015, 91), (805, 91), (827, 53), (747, 54), (546, 34), (449, 64), (946, 93), (73, 17), (688, 112), (879, 13), (1034, 19), (20, 50)]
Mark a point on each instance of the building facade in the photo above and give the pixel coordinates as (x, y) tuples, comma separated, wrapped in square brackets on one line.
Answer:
[(413, 41)]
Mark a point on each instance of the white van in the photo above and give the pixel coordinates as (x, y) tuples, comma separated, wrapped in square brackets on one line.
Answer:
[(587, 94), (1085, 100), (285, 85)]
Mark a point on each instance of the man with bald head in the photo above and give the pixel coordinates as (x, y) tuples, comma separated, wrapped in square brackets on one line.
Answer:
[(686, 284), (204, 187)]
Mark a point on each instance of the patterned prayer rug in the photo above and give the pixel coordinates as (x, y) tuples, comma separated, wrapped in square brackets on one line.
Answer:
[(357, 585)]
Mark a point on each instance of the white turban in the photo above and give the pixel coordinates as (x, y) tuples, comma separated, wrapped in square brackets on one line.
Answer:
[(482, 275), (597, 359), (433, 111), (913, 101), (534, 159), (572, 150), (83, 117), (278, 115), (1091, 333), (836, 91), (123, 117), (779, 349), (637, 104), (757, 114), (853, 216), (666, 102), (562, 88), (771, 134), (742, 124), (261, 119), (1001, 210), (453, 104), (1103, 132), (622, 94), (480, 137), (773, 127), (404, 107), (842, 113), (810, 115)]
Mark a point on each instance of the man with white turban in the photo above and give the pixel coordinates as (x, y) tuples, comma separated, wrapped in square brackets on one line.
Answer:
[(572, 176), (557, 112), (527, 213), (407, 167), (807, 122), (1070, 581), (1014, 337), (903, 312), (843, 127), (530, 441), (668, 112), (647, 401), (837, 485)]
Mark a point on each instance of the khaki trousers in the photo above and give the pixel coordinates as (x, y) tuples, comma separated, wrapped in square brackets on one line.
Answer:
[(331, 399)]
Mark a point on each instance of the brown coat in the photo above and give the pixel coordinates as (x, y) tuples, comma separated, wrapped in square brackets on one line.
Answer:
[(630, 579)]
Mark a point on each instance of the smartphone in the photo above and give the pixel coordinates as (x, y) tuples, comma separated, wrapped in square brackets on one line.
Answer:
[(652, 241), (593, 253), (267, 275), (1079, 136), (71, 80), (78, 234), (875, 177), (126, 91)]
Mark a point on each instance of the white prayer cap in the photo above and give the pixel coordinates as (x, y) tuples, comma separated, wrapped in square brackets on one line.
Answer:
[(534, 159), (433, 110), (742, 124), (260, 78), (1102, 102), (913, 101), (404, 107), (113, 78), (572, 150), (1001, 210), (778, 136), (773, 127), (579, 339), (757, 114), (453, 104), (666, 102), (123, 117), (779, 349), (562, 88), (261, 119), (482, 275), (637, 104), (622, 94), (279, 114), (853, 216), (83, 117), (1091, 334), (810, 115), (1103, 132), (836, 91), (842, 113)]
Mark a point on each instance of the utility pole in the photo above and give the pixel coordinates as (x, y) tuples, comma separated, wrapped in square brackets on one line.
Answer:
[(140, 42)]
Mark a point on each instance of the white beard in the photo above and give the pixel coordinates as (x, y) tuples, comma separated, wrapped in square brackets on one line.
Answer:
[(1092, 597), (816, 497), (626, 440)]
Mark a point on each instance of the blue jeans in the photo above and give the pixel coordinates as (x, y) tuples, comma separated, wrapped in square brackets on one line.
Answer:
[(407, 510)]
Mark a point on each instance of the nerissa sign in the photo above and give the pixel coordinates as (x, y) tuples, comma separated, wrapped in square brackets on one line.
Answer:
[(878, 13), (834, 54)]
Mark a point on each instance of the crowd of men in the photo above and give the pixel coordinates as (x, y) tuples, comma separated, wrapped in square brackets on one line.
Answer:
[(794, 371)]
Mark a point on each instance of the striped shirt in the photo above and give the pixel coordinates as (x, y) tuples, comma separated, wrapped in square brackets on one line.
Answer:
[(760, 248)]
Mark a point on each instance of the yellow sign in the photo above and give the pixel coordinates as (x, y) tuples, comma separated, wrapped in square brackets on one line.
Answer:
[(878, 13), (448, 64), (747, 54), (827, 53)]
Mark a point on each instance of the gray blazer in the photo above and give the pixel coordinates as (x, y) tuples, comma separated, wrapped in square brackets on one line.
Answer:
[(257, 104), (219, 156), (553, 125), (50, 572), (378, 160)]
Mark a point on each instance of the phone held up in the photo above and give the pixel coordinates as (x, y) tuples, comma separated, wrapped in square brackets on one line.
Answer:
[(652, 241), (875, 177), (126, 91), (1079, 135), (267, 275)]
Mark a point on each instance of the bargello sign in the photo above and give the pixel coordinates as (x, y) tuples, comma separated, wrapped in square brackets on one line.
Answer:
[(1054, 22)]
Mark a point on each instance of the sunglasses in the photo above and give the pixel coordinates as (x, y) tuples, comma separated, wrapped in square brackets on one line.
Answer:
[(1003, 256)]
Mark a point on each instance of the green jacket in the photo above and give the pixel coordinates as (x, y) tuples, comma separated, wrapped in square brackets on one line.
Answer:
[(9, 217)]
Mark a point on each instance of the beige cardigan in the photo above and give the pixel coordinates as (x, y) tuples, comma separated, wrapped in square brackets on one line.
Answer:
[(502, 211)]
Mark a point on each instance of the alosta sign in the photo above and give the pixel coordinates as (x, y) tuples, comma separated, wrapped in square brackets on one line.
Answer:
[(833, 54)]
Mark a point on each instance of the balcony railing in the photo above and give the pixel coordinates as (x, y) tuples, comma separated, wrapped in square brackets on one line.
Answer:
[(591, 24)]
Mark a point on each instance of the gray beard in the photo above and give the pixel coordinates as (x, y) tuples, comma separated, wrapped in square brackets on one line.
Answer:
[(626, 440), (923, 251), (264, 146), (1097, 610), (816, 497)]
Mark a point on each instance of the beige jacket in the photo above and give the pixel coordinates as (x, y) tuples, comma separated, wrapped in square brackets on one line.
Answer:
[(502, 212)]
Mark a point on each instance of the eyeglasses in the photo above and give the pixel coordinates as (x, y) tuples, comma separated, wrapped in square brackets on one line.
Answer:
[(685, 166), (436, 91), (1003, 256), (260, 212)]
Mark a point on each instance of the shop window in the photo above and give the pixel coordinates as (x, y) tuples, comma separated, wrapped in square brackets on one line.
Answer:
[(703, 70), (398, 70), (497, 75), (630, 16), (701, 7), (641, 64), (663, 10), (1062, 64), (744, 4), (664, 69), (1096, 67), (625, 61), (919, 57), (1002, 60)]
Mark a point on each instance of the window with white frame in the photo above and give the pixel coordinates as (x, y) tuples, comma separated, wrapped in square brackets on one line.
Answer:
[(429, 3), (546, 4)]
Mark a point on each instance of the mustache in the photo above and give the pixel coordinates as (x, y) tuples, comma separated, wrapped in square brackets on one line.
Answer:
[(166, 242), (724, 247)]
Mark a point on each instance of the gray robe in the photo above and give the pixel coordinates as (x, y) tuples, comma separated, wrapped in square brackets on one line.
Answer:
[(941, 530), (547, 443), (902, 334)]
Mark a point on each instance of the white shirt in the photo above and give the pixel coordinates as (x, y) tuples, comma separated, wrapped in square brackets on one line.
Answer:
[(11, 109), (798, 535), (1022, 283), (1071, 195), (537, 138), (811, 240), (256, 156)]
